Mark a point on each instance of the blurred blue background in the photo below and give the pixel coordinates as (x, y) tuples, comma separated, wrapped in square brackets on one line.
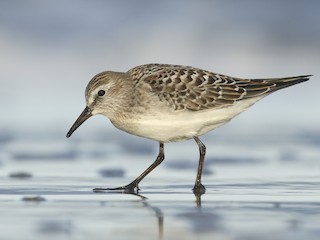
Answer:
[(261, 171), (51, 49)]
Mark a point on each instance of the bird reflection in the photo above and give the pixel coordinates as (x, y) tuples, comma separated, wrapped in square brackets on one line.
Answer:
[(159, 215), (157, 211), (198, 198)]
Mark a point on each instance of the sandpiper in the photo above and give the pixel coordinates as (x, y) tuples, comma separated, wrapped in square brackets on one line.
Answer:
[(169, 103)]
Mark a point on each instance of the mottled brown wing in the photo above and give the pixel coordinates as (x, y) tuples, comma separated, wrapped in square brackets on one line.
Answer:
[(195, 89)]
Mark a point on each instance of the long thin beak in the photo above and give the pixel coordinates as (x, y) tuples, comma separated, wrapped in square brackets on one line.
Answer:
[(83, 117)]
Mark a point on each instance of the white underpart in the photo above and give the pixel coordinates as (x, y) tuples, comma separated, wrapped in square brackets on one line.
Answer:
[(167, 126)]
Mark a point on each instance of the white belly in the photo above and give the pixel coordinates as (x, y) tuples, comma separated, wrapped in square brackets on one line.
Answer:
[(167, 126)]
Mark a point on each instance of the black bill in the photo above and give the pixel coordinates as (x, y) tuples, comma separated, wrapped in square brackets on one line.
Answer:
[(83, 117)]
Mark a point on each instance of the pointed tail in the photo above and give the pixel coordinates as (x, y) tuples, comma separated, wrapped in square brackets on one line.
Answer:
[(279, 83), (259, 87)]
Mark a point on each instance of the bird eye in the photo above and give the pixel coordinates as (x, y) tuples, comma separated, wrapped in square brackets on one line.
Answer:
[(101, 92)]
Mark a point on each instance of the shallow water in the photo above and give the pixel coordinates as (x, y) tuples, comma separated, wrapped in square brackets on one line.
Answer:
[(258, 187)]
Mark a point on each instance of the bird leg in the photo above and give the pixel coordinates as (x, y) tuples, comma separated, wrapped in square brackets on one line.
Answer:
[(134, 184), (198, 188)]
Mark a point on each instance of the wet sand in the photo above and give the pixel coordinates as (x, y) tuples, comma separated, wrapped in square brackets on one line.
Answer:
[(259, 189)]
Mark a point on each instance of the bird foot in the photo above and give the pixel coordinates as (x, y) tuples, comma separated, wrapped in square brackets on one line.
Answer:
[(130, 188), (198, 189)]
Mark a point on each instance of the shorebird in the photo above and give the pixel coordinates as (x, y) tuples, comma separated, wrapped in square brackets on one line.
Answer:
[(169, 103)]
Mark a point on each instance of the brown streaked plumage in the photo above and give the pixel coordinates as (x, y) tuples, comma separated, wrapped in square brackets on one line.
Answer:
[(171, 103), (196, 89)]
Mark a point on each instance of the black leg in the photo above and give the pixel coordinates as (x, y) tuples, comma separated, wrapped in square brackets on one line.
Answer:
[(134, 184), (198, 188)]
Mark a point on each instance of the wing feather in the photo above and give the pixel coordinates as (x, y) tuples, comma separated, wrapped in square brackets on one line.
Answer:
[(188, 88)]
